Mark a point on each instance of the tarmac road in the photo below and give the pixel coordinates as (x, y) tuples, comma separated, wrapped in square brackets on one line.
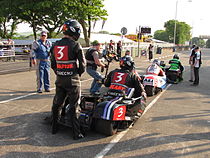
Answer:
[(177, 125)]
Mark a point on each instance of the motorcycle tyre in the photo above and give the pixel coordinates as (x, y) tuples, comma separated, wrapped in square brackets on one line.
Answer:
[(150, 90), (106, 127)]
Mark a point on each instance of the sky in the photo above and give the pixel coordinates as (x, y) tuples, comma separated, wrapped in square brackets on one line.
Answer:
[(152, 13)]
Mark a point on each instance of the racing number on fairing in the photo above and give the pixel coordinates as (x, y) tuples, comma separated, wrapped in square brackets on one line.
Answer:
[(120, 112), (61, 52)]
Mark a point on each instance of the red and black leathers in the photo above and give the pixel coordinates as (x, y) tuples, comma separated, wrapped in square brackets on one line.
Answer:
[(68, 63), (120, 78)]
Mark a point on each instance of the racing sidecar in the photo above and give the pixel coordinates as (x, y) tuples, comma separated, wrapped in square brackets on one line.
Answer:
[(106, 114), (153, 84)]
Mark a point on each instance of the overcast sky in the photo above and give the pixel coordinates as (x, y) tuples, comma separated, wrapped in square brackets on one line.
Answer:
[(153, 13)]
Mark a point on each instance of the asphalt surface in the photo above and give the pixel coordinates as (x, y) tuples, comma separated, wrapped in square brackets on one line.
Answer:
[(176, 125)]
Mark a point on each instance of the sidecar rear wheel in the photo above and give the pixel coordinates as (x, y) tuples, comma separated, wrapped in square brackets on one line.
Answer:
[(106, 127)]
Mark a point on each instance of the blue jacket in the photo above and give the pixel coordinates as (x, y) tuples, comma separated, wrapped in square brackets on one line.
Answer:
[(41, 51)]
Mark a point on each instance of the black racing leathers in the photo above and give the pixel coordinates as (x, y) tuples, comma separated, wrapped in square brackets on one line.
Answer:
[(68, 63), (131, 81)]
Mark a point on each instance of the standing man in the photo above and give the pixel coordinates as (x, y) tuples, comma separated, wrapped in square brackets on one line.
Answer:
[(93, 61), (150, 52), (191, 64), (40, 58), (119, 49), (68, 63), (196, 63)]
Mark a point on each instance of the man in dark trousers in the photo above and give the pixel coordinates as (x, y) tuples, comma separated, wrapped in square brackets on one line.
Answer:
[(68, 63), (119, 49), (196, 63), (191, 63), (150, 48)]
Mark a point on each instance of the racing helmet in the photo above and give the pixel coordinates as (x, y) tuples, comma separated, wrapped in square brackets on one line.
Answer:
[(175, 56), (156, 61), (72, 28), (127, 62)]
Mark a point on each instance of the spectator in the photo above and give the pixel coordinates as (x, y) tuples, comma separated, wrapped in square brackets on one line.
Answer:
[(40, 58), (119, 49), (191, 64), (111, 46), (196, 64), (150, 48)]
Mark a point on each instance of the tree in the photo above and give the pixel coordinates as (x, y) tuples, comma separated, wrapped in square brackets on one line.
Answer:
[(198, 41), (87, 11), (161, 35), (208, 43), (8, 20), (182, 31)]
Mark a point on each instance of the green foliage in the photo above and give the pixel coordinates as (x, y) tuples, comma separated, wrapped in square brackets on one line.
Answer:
[(161, 35), (103, 32), (182, 32), (51, 14), (198, 41), (208, 43)]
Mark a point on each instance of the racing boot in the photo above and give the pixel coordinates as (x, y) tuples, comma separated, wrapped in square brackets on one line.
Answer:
[(54, 126)]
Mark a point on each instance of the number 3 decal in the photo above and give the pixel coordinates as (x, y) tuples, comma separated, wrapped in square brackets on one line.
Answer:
[(119, 76), (120, 112), (60, 52)]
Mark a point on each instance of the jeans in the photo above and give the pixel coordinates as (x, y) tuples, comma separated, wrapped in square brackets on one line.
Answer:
[(43, 74), (96, 84)]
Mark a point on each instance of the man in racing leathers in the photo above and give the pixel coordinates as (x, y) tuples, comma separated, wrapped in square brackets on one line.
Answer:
[(124, 78), (175, 65), (155, 69), (68, 63)]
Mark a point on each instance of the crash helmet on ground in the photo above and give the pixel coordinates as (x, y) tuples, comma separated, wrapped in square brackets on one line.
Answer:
[(156, 61), (72, 28), (127, 62), (175, 56)]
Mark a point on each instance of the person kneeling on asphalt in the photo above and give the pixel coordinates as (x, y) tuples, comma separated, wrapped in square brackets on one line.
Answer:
[(175, 65), (93, 61), (68, 63), (155, 69), (124, 78)]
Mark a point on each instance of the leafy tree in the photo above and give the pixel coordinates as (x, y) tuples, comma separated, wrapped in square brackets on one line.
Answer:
[(198, 41), (161, 35), (182, 31), (8, 20), (87, 11), (208, 43)]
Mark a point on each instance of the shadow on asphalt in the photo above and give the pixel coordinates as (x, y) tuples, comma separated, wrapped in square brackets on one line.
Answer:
[(203, 113)]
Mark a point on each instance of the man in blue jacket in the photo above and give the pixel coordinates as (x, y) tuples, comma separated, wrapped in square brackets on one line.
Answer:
[(40, 58)]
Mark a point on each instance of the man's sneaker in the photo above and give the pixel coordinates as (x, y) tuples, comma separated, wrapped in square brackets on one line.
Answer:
[(39, 91), (79, 136), (47, 90)]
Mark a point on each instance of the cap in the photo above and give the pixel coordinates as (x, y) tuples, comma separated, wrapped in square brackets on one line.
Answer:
[(95, 43), (43, 33)]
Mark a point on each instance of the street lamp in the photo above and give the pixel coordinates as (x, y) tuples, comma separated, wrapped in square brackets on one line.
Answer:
[(176, 19)]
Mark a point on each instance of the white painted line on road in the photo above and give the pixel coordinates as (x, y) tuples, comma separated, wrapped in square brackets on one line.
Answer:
[(117, 138), (30, 94)]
